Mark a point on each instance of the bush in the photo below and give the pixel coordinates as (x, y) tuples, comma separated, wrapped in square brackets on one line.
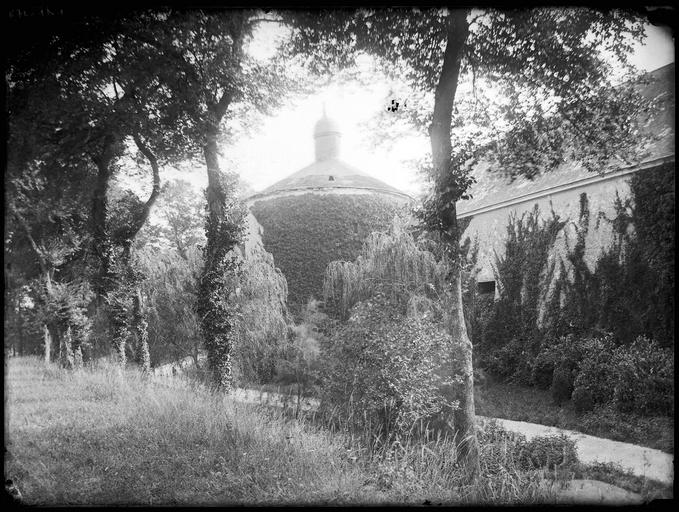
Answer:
[(606, 421), (512, 361), (499, 448), (300, 363), (562, 385), (596, 376), (382, 369), (550, 451), (645, 379), (542, 372)]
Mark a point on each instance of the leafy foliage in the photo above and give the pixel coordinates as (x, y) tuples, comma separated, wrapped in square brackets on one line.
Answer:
[(301, 362), (511, 336), (392, 262), (600, 300), (499, 446), (383, 368), (261, 324), (645, 379), (170, 285), (306, 232)]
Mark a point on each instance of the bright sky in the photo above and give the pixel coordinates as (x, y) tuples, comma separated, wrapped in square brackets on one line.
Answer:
[(284, 143)]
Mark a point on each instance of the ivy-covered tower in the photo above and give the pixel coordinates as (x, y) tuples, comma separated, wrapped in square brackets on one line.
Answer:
[(321, 213)]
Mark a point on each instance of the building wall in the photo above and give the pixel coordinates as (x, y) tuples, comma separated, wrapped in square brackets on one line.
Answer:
[(491, 226)]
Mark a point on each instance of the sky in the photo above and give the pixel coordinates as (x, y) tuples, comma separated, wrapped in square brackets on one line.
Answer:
[(284, 142)]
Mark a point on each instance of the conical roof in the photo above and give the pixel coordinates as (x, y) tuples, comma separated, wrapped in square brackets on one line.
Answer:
[(328, 171), (332, 173)]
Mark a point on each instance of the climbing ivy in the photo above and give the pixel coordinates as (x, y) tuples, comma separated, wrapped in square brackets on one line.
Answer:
[(512, 330), (224, 231), (629, 293), (306, 232)]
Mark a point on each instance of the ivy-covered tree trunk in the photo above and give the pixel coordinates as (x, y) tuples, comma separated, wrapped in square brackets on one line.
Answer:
[(119, 326), (447, 192), (66, 351), (107, 279), (115, 251), (141, 329), (77, 351), (223, 234), (47, 341)]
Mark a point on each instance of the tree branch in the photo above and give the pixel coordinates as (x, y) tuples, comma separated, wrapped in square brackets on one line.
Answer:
[(155, 190), (42, 261)]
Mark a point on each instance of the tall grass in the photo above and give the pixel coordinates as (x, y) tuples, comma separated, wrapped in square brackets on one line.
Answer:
[(103, 436)]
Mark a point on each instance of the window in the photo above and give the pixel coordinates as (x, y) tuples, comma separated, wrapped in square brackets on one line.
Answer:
[(487, 287)]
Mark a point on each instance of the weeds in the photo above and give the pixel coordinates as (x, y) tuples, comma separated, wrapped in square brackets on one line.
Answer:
[(103, 436)]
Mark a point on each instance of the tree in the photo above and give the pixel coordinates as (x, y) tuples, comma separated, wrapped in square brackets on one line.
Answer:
[(181, 219), (547, 63), (213, 81), (83, 85)]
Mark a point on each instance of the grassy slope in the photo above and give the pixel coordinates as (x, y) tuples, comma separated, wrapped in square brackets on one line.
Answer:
[(101, 437)]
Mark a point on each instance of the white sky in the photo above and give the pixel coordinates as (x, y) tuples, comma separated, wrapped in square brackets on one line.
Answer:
[(284, 143)]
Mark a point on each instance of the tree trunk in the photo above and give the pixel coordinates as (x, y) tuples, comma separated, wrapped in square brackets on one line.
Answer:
[(141, 328), (464, 420), (47, 340), (118, 315), (77, 356), (66, 351), (221, 234)]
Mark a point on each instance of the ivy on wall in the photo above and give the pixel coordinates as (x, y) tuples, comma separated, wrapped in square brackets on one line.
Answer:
[(306, 232), (630, 292)]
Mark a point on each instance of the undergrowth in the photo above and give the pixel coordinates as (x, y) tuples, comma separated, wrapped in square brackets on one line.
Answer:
[(102, 436)]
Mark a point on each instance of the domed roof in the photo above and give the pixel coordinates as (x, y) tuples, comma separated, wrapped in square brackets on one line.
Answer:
[(330, 174), (326, 125)]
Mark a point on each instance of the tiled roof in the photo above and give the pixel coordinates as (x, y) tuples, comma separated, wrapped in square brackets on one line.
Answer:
[(492, 188)]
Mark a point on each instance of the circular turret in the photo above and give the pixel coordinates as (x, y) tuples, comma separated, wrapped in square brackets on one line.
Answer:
[(321, 213)]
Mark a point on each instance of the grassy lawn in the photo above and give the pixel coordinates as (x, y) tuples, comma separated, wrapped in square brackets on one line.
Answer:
[(99, 436), (522, 403)]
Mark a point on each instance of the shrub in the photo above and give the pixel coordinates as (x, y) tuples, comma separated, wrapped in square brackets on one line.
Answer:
[(596, 376), (300, 363), (512, 361), (261, 325), (499, 448), (550, 451), (542, 372), (382, 369), (562, 385), (606, 421), (645, 379)]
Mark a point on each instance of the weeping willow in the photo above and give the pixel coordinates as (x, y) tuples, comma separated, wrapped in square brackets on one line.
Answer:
[(392, 262), (262, 323)]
